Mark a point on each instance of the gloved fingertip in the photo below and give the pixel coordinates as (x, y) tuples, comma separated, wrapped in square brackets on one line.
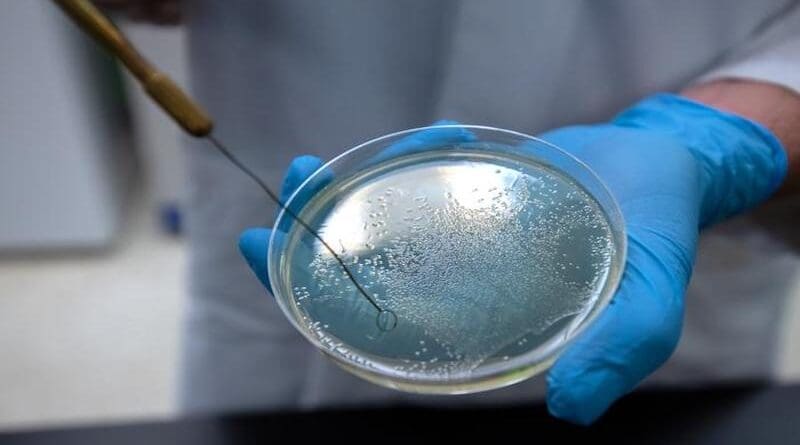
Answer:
[(563, 407), (299, 170), (585, 398), (253, 244), (306, 164)]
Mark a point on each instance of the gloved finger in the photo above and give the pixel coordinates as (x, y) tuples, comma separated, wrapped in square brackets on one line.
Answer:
[(254, 243), (633, 336), (253, 246), (301, 169), (425, 139)]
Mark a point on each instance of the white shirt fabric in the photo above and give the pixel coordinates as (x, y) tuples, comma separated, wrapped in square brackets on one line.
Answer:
[(772, 54), (284, 78)]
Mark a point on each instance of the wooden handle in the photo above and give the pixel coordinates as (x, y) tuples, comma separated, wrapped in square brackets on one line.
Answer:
[(158, 85)]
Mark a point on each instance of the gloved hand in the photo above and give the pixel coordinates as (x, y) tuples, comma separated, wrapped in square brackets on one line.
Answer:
[(674, 166)]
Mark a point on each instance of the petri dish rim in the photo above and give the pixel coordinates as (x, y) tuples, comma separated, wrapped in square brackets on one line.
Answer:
[(497, 375)]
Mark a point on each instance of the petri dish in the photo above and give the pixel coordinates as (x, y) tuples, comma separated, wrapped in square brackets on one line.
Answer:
[(475, 255)]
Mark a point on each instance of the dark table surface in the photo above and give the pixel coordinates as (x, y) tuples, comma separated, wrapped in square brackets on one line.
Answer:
[(748, 414)]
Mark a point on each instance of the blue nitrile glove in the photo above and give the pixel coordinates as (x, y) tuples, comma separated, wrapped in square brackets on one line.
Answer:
[(253, 243), (673, 166)]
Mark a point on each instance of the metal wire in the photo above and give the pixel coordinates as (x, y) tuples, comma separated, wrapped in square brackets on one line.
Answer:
[(387, 319)]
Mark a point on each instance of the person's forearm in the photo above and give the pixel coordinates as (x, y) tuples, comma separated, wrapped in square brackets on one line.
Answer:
[(773, 106)]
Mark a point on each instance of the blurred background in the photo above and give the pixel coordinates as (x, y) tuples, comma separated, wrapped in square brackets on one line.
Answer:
[(92, 259), (91, 253)]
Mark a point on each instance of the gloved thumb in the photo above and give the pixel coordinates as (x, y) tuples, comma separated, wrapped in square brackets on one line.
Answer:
[(253, 244), (631, 338)]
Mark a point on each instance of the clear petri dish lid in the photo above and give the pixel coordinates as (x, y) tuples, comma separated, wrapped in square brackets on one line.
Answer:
[(447, 259)]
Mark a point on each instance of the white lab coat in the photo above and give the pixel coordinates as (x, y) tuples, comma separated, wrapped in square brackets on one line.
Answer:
[(284, 78)]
